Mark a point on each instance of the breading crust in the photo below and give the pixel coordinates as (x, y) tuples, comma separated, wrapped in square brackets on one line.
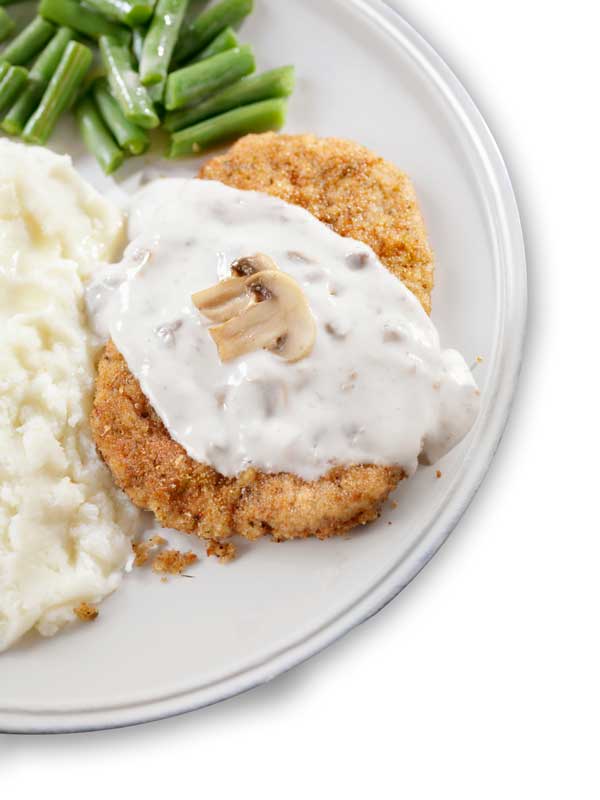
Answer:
[(347, 187)]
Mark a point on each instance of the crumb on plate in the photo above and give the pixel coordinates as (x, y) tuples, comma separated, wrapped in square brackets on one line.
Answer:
[(143, 550), (224, 551), (173, 562), (86, 612)]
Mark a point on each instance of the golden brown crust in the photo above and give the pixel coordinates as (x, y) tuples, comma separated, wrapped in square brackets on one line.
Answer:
[(346, 186), (157, 473), (359, 195)]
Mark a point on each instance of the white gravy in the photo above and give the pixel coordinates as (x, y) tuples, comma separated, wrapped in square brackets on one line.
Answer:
[(376, 388)]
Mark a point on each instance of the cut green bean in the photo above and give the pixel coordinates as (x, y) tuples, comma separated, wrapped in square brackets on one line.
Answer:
[(255, 118), (157, 93), (208, 24), (15, 120), (160, 40), (7, 25), (128, 135), (11, 83), (125, 83), (226, 40), (40, 75), (74, 15), (137, 42), (48, 60), (29, 42), (60, 92), (196, 82), (129, 12), (97, 137), (274, 83)]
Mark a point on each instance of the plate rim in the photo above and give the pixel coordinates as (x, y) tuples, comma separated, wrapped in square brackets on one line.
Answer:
[(490, 426)]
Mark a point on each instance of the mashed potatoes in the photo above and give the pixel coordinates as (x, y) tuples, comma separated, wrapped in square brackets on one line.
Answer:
[(63, 526)]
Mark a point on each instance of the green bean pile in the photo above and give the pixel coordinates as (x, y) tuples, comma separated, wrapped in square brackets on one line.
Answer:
[(193, 78)]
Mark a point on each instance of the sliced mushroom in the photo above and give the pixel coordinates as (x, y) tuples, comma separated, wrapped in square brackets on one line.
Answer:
[(224, 300), (250, 265), (269, 311), (230, 297)]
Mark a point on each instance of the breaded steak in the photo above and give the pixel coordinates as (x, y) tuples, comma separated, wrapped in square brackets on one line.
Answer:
[(359, 195), (347, 187)]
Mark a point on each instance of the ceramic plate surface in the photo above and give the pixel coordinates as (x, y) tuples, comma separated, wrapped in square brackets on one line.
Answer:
[(160, 649)]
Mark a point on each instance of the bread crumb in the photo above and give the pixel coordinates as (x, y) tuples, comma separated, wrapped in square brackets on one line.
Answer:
[(438, 473), (224, 551), (394, 504), (164, 580), (173, 562), (86, 612), (143, 550)]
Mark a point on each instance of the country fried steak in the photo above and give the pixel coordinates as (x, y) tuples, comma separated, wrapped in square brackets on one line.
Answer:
[(359, 195)]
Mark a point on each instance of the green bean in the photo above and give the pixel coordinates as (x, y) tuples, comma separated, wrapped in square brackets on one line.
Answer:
[(208, 24), (255, 118), (128, 135), (160, 40), (97, 137), (11, 2), (39, 77), (137, 43), (130, 12), (60, 92), (275, 83), (157, 92), (29, 42), (15, 120), (11, 84), (226, 40), (74, 15), (199, 80), (48, 60), (7, 25), (125, 84)]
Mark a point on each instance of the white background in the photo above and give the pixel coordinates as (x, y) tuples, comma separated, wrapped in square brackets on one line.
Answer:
[(482, 679)]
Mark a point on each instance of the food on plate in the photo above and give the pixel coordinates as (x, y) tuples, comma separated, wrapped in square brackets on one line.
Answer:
[(200, 80), (60, 92), (173, 562), (254, 118), (233, 433), (274, 83), (12, 80), (40, 76), (7, 25), (224, 551), (28, 43), (64, 527), (86, 612), (155, 68), (344, 185), (207, 25), (258, 311)]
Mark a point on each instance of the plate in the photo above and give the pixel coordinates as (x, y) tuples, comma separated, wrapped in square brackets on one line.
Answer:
[(161, 649)]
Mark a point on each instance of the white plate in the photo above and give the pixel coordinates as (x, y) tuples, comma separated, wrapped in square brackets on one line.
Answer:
[(157, 649)]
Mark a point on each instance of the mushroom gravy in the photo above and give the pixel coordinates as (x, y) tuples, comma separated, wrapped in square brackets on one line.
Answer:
[(375, 389)]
